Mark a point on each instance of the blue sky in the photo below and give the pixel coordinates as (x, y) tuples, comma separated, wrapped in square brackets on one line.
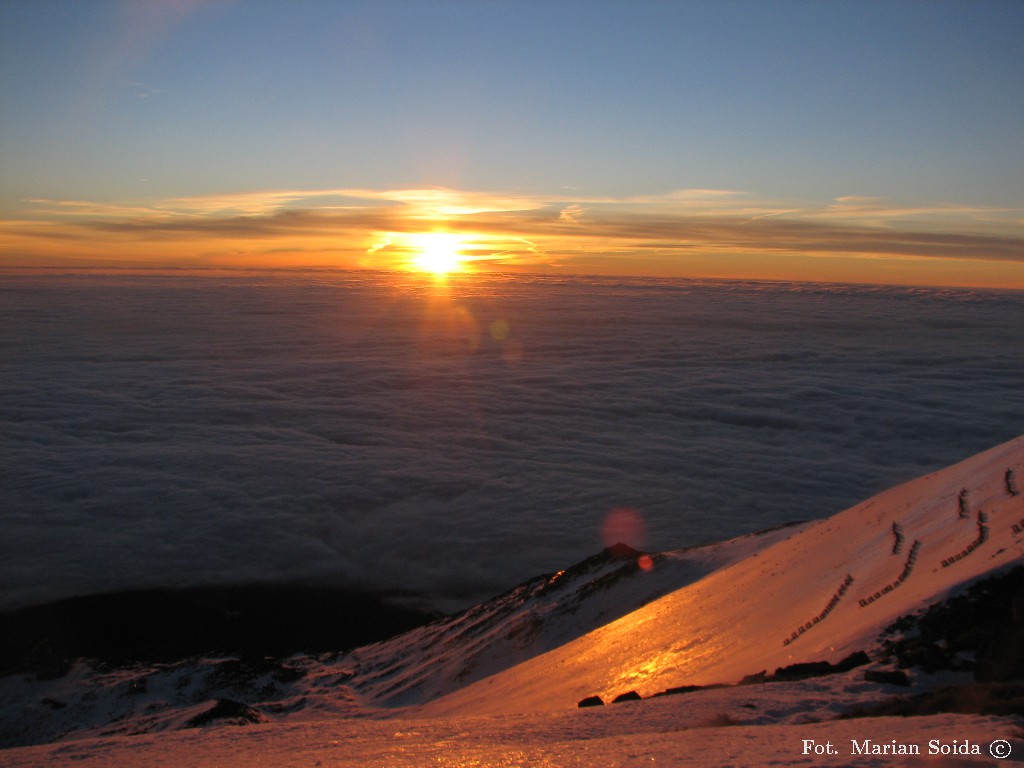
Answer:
[(789, 106)]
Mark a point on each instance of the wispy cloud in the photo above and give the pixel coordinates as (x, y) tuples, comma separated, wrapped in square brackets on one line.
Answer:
[(415, 203), (526, 230), (87, 209), (571, 213)]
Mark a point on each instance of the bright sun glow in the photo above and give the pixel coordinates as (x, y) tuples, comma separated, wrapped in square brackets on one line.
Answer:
[(437, 252)]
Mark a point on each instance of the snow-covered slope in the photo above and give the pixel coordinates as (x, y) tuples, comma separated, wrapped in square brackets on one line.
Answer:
[(534, 617), (411, 668), (819, 594), (620, 621), (654, 733)]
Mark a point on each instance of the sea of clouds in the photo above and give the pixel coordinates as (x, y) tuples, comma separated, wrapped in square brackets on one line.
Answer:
[(454, 438)]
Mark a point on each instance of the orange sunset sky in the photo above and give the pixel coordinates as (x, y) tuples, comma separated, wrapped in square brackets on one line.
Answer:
[(852, 142)]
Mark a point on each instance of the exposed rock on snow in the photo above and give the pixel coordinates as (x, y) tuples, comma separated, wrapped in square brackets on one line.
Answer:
[(225, 712), (888, 676), (981, 631), (818, 579), (934, 596), (627, 696)]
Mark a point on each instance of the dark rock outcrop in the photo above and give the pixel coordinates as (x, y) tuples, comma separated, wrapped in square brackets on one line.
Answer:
[(981, 631), (998, 699), (887, 676), (854, 660), (808, 669), (226, 712), (628, 696), (802, 671)]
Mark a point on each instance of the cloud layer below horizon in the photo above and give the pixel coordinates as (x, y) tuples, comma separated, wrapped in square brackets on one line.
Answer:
[(455, 438)]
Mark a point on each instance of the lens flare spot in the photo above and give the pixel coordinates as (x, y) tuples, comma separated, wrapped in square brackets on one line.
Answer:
[(499, 330), (623, 526), (466, 327), (646, 562)]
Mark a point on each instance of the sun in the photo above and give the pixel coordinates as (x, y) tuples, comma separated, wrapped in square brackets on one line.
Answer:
[(437, 252)]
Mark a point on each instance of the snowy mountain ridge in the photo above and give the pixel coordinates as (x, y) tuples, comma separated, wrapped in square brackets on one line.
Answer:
[(820, 594), (619, 622), (537, 616), (411, 668)]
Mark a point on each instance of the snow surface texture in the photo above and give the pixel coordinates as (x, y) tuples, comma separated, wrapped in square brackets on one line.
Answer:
[(638, 734), (411, 668), (813, 592), (821, 594), (172, 430)]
